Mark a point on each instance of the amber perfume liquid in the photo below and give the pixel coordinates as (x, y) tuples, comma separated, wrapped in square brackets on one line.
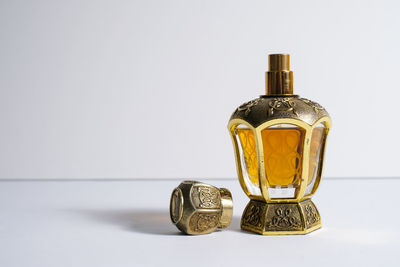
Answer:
[(283, 150)]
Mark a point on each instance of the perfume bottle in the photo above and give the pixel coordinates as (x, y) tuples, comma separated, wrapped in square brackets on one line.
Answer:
[(279, 142)]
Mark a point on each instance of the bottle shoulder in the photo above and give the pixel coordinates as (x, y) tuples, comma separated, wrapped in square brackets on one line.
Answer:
[(265, 108)]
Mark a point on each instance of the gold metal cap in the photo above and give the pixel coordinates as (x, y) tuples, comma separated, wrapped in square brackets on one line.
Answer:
[(279, 77), (227, 208), (198, 208)]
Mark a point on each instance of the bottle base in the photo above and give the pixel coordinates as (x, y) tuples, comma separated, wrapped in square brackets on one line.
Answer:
[(280, 218)]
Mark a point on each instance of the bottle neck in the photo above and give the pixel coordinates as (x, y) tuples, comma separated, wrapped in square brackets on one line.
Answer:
[(279, 82), (279, 77)]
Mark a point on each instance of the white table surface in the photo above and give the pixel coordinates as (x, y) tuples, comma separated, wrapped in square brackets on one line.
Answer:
[(126, 223)]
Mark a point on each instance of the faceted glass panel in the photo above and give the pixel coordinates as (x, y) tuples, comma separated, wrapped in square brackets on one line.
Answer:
[(248, 158), (283, 155), (317, 138)]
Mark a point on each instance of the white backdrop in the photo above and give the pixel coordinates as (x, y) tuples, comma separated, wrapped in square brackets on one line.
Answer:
[(137, 89)]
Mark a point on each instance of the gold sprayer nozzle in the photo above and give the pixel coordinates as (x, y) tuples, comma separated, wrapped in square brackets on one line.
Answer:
[(279, 77)]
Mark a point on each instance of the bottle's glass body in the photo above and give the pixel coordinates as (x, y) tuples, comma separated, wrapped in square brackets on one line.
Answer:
[(283, 150)]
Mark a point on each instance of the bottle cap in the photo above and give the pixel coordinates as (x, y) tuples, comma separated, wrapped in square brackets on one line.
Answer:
[(198, 208)]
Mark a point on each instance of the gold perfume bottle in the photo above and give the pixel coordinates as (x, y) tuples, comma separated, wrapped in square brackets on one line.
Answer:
[(279, 142)]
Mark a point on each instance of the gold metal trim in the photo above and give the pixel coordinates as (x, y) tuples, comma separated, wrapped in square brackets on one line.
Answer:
[(266, 108), (281, 218), (231, 127), (227, 208)]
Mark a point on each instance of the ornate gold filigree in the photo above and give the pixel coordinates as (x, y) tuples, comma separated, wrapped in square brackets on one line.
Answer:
[(280, 218), (280, 107), (311, 215), (208, 198), (248, 106), (282, 104), (284, 219), (253, 215), (317, 107), (201, 222)]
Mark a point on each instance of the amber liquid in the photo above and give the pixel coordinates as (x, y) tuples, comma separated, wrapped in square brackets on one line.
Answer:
[(283, 152)]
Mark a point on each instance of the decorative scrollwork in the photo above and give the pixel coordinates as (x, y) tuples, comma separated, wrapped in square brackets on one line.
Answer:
[(317, 107), (201, 222), (253, 215), (280, 218), (248, 106), (282, 104), (208, 198), (284, 219), (311, 215)]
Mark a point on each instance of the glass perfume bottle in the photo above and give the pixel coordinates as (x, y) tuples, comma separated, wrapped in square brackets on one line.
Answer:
[(279, 142)]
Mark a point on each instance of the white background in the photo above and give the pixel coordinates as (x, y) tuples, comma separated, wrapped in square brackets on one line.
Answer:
[(144, 89)]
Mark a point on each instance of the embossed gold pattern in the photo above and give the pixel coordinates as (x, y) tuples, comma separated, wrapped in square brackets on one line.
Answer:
[(253, 215), (206, 197), (311, 214), (280, 218), (317, 107), (271, 108), (284, 218), (282, 104), (202, 222), (246, 107)]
